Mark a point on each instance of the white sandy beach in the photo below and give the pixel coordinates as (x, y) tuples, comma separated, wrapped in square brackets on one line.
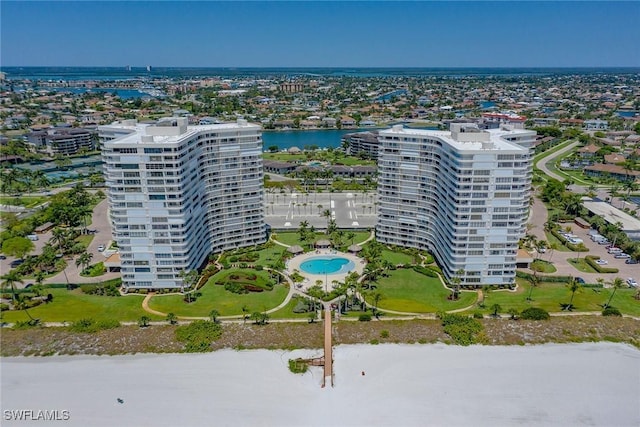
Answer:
[(404, 385)]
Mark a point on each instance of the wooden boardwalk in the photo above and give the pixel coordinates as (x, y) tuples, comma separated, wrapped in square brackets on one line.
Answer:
[(328, 347)]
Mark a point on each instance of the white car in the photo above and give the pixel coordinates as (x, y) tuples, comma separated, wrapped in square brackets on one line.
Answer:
[(632, 282), (622, 256), (602, 262), (101, 248)]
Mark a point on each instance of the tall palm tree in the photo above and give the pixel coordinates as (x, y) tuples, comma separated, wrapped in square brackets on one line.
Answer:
[(10, 279), (616, 284), (573, 286), (84, 260)]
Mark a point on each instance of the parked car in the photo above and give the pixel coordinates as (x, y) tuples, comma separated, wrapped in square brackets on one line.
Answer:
[(614, 250), (603, 242), (602, 262), (16, 263), (631, 261), (3, 257), (622, 256), (101, 248), (33, 237), (632, 282), (580, 280)]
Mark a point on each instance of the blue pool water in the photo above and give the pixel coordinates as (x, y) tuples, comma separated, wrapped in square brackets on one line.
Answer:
[(327, 265)]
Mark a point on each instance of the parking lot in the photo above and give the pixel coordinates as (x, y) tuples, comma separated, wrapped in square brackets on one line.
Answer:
[(559, 259), (348, 209)]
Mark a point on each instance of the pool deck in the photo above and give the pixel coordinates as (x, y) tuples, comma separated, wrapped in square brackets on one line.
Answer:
[(294, 264)]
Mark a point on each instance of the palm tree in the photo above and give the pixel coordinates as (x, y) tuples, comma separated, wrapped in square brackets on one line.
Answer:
[(573, 286), (534, 280), (84, 260), (172, 319), (495, 308), (143, 322), (213, 315), (616, 284), (9, 281), (245, 310)]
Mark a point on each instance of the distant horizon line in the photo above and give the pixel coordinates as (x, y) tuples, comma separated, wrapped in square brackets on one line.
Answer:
[(324, 67)]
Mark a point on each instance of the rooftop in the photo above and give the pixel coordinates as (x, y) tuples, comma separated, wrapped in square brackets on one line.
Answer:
[(169, 130), (469, 137), (613, 215)]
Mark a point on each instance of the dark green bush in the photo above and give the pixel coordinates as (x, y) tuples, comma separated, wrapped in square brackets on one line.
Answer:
[(427, 271), (534, 313), (611, 311), (298, 366), (364, 318), (462, 329), (236, 288)]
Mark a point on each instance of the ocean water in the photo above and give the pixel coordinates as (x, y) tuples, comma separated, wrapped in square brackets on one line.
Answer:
[(122, 73), (304, 138)]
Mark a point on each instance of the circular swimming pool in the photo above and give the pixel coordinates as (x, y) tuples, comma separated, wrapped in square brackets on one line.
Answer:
[(327, 265)]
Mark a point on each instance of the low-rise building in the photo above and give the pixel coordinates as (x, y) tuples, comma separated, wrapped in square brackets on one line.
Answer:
[(63, 141)]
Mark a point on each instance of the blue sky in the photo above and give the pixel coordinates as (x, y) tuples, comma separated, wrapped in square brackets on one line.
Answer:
[(320, 34)]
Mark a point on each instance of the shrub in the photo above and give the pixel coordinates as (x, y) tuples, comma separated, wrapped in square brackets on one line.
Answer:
[(236, 288), (427, 271), (364, 318), (611, 311), (462, 329), (297, 366), (534, 313), (384, 334), (198, 335), (478, 315), (91, 326)]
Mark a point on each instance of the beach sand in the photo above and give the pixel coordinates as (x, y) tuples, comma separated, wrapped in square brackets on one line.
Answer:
[(403, 385)]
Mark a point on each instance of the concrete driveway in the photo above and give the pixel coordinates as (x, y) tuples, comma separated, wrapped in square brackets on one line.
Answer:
[(559, 258)]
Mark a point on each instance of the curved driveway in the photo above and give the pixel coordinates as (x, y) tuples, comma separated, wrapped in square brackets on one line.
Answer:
[(542, 163)]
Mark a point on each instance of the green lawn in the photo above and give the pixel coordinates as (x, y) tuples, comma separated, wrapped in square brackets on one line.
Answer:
[(581, 265), (396, 258), (543, 266), (549, 296), (85, 239), (75, 305), (216, 297), (408, 291), (287, 312), (555, 241), (26, 201)]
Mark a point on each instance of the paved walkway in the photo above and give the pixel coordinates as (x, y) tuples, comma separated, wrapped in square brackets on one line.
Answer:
[(328, 347), (102, 236)]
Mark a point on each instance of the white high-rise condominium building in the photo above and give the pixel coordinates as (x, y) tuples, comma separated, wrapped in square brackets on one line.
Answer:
[(178, 193), (462, 194)]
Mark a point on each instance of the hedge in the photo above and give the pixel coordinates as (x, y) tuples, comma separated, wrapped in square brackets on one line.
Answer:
[(591, 260), (569, 245)]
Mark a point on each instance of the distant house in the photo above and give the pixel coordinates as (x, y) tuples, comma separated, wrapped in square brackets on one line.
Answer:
[(613, 171), (347, 121), (614, 159), (596, 124), (273, 166), (588, 151), (329, 122)]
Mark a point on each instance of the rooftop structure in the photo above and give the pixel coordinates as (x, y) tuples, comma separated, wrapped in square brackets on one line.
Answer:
[(462, 194), (178, 193), (629, 225)]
